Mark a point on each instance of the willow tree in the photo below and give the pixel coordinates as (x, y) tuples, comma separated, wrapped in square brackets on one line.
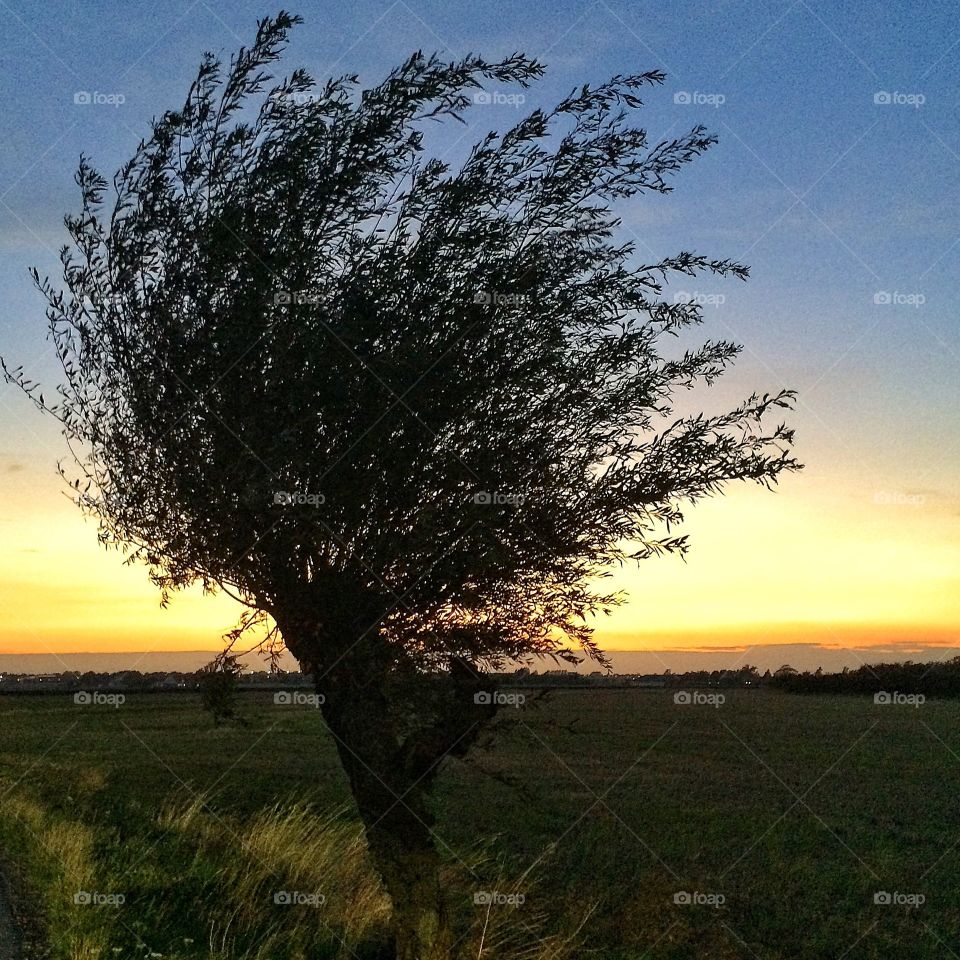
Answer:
[(407, 412)]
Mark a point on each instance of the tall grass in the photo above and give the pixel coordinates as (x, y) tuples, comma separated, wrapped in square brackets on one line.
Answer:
[(286, 883), (57, 855), (293, 849), (286, 854)]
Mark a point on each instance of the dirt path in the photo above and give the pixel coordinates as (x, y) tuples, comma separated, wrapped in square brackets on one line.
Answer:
[(10, 942)]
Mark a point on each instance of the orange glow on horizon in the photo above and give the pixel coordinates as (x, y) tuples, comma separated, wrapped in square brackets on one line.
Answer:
[(809, 564)]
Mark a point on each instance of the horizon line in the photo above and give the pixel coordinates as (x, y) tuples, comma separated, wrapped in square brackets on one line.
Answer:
[(698, 648)]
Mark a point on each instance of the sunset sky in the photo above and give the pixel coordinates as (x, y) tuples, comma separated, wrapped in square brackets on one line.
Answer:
[(836, 178)]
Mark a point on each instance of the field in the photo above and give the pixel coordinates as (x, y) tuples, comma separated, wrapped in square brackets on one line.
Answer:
[(782, 819)]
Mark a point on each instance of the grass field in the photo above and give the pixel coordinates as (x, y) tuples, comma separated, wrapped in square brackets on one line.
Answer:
[(781, 818)]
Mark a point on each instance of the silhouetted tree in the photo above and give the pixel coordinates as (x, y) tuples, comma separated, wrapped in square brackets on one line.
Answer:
[(218, 688), (404, 412)]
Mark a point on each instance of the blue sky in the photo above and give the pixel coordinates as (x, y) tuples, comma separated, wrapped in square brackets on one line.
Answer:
[(836, 178)]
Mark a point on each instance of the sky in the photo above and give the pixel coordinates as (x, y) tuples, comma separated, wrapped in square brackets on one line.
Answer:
[(836, 178)]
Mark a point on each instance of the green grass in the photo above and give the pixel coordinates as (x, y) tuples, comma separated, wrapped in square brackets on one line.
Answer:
[(593, 804)]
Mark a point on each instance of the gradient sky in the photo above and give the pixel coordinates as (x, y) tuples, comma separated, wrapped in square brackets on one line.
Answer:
[(845, 208)]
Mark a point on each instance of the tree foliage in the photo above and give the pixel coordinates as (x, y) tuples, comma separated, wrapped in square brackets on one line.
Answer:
[(292, 300)]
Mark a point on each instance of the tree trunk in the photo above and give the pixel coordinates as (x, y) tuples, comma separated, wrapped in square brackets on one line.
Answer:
[(404, 851), (390, 772), (398, 827)]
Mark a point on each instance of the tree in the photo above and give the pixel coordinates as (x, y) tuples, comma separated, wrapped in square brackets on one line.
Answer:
[(218, 688), (409, 414)]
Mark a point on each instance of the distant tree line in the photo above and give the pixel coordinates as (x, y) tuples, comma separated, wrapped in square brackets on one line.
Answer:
[(134, 681), (937, 679), (745, 676)]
